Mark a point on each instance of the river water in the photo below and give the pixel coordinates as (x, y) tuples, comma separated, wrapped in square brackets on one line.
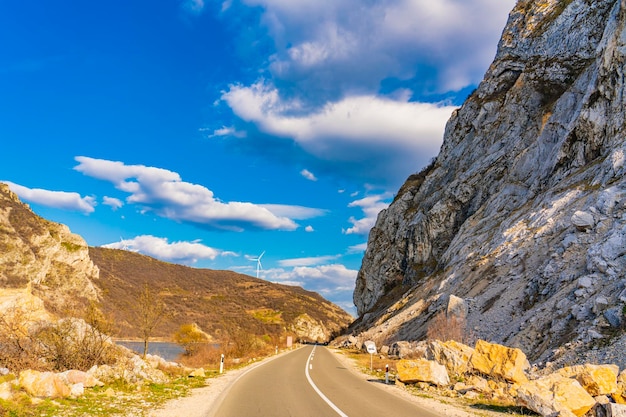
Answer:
[(167, 350)]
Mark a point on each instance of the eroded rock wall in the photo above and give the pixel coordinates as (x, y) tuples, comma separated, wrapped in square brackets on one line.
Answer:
[(523, 212)]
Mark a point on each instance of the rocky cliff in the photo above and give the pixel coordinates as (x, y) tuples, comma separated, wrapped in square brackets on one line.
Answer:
[(522, 215), (42, 259)]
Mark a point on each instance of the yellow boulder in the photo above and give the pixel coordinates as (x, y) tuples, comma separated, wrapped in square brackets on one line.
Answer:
[(555, 394), (500, 361), (595, 379), (422, 370)]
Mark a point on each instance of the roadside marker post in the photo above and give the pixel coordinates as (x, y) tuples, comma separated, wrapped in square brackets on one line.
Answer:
[(386, 374), (222, 364)]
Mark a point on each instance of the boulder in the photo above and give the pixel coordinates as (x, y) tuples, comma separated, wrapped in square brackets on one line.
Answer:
[(614, 410), (620, 395), (198, 373), (422, 370), (77, 390), (43, 384), (6, 391), (500, 361), (583, 220), (453, 355), (72, 377), (400, 349), (595, 379), (555, 395)]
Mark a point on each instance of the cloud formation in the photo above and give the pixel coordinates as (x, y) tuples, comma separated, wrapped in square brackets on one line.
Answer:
[(366, 137), (57, 199), (371, 206), (334, 282), (335, 48), (361, 87), (163, 192), (308, 175), (187, 253)]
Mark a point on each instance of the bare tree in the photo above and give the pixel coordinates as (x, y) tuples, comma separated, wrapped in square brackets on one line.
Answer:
[(149, 312)]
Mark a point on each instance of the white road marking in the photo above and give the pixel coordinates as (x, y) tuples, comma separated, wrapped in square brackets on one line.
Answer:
[(322, 396)]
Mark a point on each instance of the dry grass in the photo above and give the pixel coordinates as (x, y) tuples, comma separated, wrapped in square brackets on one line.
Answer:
[(444, 328)]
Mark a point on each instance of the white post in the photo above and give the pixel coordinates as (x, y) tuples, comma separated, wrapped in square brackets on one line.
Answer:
[(371, 361), (222, 364)]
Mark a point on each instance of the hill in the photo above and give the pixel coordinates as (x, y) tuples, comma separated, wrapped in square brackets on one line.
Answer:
[(219, 302), (53, 272), (519, 224)]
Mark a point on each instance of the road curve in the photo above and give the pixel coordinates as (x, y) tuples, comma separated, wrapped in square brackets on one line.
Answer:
[(309, 382)]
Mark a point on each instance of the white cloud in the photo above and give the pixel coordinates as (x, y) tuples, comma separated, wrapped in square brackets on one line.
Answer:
[(307, 261), (158, 247), (344, 80), (228, 131), (373, 136), (309, 229), (345, 46), (56, 199), (112, 202), (163, 192), (308, 175), (357, 248), (371, 206), (334, 282)]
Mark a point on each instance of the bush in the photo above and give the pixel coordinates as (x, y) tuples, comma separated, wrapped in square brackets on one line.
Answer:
[(26, 343), (190, 337), (443, 327)]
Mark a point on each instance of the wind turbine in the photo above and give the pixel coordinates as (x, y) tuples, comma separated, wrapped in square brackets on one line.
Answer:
[(124, 244), (258, 263)]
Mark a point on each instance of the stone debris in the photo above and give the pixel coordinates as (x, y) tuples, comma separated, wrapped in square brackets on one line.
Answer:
[(503, 375)]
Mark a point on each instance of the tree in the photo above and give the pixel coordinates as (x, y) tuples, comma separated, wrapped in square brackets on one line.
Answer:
[(190, 337), (149, 312)]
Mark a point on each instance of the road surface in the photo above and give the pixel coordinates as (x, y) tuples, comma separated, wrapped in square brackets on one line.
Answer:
[(309, 382)]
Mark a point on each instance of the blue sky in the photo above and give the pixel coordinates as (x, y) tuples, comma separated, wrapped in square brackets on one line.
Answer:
[(208, 132)]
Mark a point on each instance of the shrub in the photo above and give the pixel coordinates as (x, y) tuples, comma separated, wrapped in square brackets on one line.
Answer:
[(443, 327), (190, 337)]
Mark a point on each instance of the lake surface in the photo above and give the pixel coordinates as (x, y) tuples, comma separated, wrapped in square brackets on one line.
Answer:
[(167, 350)]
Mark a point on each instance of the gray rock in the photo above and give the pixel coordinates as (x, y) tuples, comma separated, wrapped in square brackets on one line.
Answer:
[(536, 153), (583, 220)]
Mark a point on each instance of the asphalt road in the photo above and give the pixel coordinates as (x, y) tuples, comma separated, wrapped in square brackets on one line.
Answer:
[(310, 382)]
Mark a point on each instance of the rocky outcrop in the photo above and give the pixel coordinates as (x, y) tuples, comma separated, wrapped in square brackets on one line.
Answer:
[(501, 375), (42, 257), (523, 212)]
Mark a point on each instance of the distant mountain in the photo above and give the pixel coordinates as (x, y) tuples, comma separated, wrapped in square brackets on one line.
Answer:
[(520, 221), (44, 265), (219, 302)]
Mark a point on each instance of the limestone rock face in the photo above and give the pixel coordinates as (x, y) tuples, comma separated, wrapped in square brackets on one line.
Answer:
[(306, 327), (42, 256), (527, 194)]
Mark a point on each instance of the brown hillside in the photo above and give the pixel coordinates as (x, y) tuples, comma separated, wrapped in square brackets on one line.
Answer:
[(222, 303)]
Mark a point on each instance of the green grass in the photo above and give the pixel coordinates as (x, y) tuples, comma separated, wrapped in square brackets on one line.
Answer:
[(114, 400)]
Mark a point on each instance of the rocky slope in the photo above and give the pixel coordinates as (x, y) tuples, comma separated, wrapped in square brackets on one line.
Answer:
[(53, 272), (223, 304), (521, 218), (42, 257)]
